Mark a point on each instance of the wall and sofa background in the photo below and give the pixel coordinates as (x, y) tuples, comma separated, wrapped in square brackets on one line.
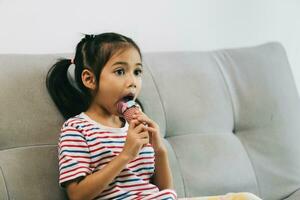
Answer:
[(34, 26), (252, 127)]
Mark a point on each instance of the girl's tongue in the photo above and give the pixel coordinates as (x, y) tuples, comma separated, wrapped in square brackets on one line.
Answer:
[(123, 105)]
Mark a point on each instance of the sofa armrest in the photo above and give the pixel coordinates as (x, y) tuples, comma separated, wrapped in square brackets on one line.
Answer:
[(3, 189), (294, 196)]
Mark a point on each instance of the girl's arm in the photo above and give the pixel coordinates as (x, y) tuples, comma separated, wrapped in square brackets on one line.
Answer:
[(93, 185), (162, 177)]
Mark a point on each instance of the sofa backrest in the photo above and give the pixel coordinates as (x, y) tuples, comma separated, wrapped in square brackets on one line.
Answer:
[(231, 118), (228, 117)]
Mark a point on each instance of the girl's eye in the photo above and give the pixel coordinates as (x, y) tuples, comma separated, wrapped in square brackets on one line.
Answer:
[(138, 72), (120, 72)]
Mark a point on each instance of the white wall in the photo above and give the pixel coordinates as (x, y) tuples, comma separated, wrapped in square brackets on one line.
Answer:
[(38, 26)]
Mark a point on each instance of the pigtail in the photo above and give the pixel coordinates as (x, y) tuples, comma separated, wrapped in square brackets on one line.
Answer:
[(69, 100)]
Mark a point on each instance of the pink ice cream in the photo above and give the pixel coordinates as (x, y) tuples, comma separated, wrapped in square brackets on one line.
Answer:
[(127, 109)]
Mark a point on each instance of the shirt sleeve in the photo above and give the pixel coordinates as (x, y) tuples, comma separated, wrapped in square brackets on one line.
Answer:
[(73, 154)]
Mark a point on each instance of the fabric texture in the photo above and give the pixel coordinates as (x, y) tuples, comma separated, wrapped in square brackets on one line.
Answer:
[(86, 146)]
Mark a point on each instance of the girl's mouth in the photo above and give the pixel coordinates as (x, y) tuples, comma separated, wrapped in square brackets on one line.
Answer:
[(128, 98)]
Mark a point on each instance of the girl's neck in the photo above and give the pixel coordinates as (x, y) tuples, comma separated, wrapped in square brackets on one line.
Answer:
[(106, 120)]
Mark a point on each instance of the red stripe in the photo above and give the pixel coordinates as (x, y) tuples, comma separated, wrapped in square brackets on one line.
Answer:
[(98, 132), (143, 189), (139, 196), (74, 140), (91, 129), (71, 129), (111, 187), (71, 170), (94, 150), (74, 175), (72, 120), (87, 125), (104, 163), (72, 145), (106, 157), (142, 158), (62, 162), (125, 175), (171, 193), (145, 174), (77, 121), (95, 144), (135, 185), (105, 137), (71, 156), (115, 147)]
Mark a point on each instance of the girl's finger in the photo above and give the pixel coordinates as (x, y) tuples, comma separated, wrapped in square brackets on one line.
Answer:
[(144, 134), (141, 127), (151, 129), (144, 119), (133, 123)]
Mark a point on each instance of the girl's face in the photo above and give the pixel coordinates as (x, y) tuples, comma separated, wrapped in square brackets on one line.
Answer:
[(120, 77)]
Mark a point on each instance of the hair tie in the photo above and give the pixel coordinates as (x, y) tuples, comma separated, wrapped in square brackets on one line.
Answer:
[(89, 37)]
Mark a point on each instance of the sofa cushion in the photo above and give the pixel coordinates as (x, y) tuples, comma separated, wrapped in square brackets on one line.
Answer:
[(31, 172)]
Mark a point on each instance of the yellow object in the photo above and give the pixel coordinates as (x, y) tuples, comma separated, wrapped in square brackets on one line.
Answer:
[(229, 196)]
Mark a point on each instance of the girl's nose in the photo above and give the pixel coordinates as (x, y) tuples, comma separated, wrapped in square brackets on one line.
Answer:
[(132, 81)]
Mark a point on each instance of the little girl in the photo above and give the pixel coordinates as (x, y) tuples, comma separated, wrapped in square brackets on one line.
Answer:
[(101, 155)]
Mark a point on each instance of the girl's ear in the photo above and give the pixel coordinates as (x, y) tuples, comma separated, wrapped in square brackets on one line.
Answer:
[(88, 79)]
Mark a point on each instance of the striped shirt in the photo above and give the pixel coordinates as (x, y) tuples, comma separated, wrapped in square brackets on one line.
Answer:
[(85, 146)]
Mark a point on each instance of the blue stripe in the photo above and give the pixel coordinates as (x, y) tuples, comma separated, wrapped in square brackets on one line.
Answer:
[(120, 198), (87, 125), (100, 154), (90, 140), (74, 151), (129, 180), (92, 129), (147, 152), (70, 165), (124, 181), (144, 168), (71, 135), (112, 142), (168, 198)]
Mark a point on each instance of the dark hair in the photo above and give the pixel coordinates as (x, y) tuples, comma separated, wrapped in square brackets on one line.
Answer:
[(92, 52)]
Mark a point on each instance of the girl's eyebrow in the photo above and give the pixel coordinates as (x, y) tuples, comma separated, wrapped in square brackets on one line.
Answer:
[(125, 63)]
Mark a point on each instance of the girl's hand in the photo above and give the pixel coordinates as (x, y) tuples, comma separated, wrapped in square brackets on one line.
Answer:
[(154, 132), (137, 136)]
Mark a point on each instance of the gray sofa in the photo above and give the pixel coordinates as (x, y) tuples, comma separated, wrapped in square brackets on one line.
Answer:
[(230, 120)]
